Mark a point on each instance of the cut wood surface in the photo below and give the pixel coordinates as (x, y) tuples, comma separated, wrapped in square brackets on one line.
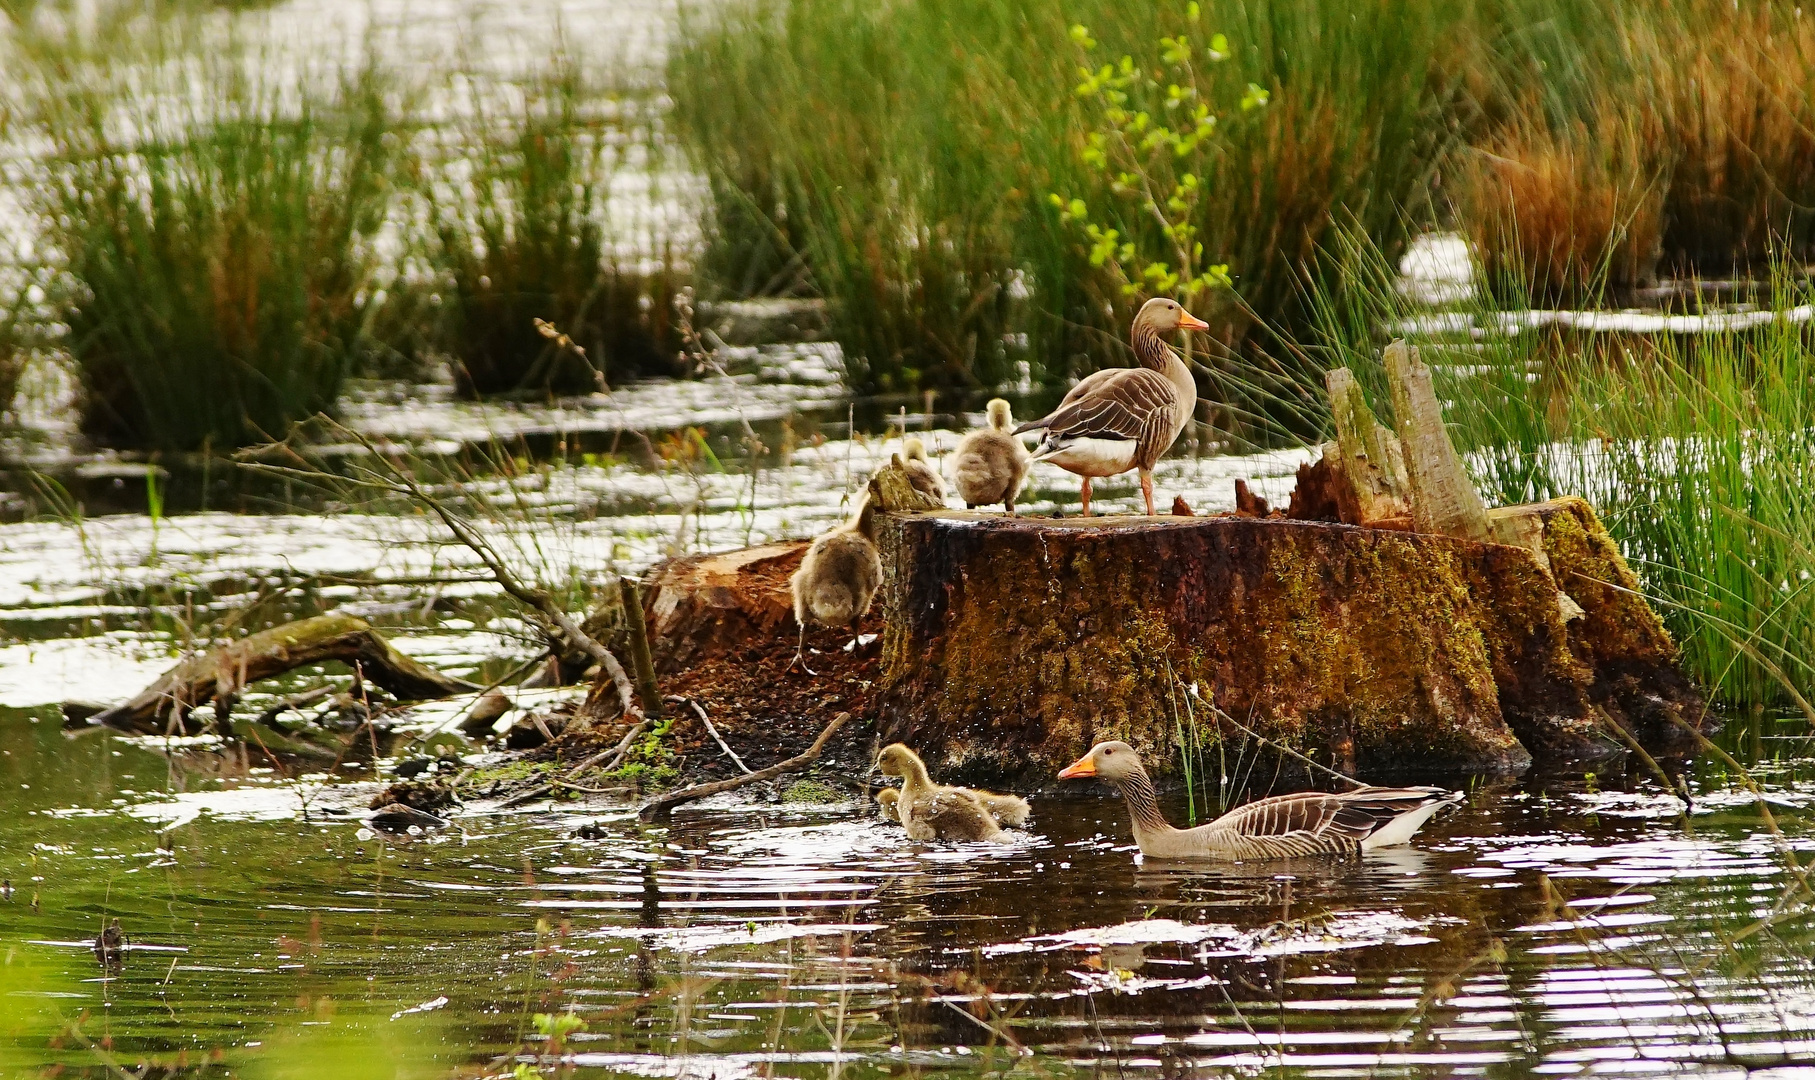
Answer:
[(704, 606), (1013, 644), (225, 671)]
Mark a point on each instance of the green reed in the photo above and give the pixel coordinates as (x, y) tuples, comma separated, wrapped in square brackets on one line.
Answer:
[(213, 228), (1696, 450), (899, 160), (518, 192)]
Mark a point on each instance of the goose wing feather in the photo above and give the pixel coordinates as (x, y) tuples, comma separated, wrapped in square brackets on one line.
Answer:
[(1130, 403), (1120, 403), (1348, 817)]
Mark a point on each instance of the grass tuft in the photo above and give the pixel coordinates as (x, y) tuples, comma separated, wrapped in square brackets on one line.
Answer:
[(519, 207), (213, 231)]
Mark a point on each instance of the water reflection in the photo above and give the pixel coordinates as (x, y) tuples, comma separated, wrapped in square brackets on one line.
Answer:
[(1531, 933)]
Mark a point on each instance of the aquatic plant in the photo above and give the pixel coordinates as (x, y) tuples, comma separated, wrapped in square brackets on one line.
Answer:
[(519, 208), (1694, 448), (213, 229), (1639, 137), (904, 155)]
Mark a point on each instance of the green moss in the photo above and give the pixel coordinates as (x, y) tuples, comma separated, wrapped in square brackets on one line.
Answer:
[(1589, 567), (508, 774), (811, 791)]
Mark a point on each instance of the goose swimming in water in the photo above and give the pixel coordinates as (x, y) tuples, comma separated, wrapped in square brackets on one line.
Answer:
[(1282, 827)]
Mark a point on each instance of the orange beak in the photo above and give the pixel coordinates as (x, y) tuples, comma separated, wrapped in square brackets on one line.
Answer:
[(1188, 321), (1083, 767)]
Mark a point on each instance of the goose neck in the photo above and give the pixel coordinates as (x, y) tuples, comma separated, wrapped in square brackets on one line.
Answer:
[(914, 776), (1143, 803), (1151, 349)]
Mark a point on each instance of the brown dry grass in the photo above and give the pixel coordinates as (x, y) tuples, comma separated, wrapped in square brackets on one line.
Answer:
[(1689, 148), (1559, 214)]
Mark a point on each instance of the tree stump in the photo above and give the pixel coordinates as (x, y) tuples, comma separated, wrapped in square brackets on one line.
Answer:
[(703, 606), (1014, 643)]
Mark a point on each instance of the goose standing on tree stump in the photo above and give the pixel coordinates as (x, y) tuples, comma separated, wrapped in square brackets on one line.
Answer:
[(1282, 827), (990, 465), (837, 579), (1125, 418)]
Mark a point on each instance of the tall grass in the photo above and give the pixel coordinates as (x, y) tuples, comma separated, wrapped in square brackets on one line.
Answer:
[(902, 154), (1696, 450), (1674, 137), (519, 201), (212, 229)]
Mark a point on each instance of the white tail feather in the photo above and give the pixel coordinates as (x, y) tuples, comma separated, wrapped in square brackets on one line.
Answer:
[(1401, 829)]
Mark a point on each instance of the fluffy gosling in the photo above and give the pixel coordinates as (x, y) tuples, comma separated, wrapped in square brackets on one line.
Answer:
[(920, 471), (991, 465), (837, 579)]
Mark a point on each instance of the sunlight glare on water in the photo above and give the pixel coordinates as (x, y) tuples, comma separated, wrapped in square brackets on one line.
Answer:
[(1525, 931)]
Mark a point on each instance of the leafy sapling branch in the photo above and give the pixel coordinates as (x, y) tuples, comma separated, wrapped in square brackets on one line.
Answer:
[(1151, 137)]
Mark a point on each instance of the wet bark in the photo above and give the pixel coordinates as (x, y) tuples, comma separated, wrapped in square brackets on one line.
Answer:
[(1013, 644), (164, 706)]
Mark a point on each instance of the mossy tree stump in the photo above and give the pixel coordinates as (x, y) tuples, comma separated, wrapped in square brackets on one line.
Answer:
[(1014, 643)]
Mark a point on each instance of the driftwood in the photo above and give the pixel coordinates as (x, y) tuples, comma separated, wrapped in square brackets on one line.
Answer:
[(223, 672), (660, 806)]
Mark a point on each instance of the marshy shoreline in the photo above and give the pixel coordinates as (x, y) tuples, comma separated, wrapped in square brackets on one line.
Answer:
[(357, 311)]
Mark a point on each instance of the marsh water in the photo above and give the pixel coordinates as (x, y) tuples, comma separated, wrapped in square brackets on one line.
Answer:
[(1573, 924), (1555, 927), (1560, 925)]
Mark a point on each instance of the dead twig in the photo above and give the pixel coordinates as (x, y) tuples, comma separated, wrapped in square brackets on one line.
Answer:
[(659, 807), (1271, 745), (716, 737), (639, 648), (560, 627)]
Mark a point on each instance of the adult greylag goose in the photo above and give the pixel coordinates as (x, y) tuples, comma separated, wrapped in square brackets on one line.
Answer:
[(920, 471), (1282, 827), (932, 811), (837, 578), (990, 465), (1125, 418)]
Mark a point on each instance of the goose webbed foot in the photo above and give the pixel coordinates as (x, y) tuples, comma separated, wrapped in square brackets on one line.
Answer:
[(800, 655)]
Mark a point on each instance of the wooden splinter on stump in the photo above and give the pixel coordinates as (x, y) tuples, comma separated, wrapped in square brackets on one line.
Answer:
[(1372, 483), (1443, 499)]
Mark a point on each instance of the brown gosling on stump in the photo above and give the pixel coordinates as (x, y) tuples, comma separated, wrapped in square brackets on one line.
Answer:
[(1282, 827), (1125, 418), (990, 466), (932, 811), (837, 579), (920, 471)]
